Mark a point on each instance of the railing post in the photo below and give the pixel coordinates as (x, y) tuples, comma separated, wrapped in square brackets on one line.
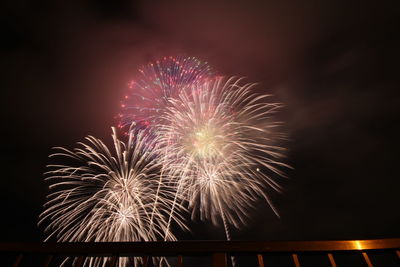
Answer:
[(47, 261), (219, 260), (180, 261), (260, 259), (367, 260), (145, 260), (113, 261), (18, 260), (79, 261), (296, 260), (332, 260)]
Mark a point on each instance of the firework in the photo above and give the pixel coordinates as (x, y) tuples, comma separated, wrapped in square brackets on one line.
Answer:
[(159, 81), (109, 195), (221, 148)]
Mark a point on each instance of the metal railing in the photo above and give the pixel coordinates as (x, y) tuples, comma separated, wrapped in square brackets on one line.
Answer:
[(219, 250)]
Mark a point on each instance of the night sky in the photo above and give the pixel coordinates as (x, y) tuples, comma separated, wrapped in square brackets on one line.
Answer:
[(334, 64)]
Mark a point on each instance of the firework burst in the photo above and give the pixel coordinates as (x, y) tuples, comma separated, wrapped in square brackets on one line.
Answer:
[(106, 195), (221, 148), (159, 81)]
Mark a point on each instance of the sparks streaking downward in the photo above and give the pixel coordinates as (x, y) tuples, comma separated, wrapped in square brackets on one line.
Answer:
[(105, 195), (221, 147)]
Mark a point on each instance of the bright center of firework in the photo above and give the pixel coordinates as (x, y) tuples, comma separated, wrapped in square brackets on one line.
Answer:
[(124, 214), (206, 142)]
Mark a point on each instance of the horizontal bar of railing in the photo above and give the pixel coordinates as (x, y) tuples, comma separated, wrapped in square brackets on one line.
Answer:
[(197, 247)]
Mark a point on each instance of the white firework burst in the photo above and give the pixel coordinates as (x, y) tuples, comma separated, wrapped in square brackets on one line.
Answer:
[(221, 147), (105, 195)]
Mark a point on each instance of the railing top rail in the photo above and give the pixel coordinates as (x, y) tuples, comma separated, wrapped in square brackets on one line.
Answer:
[(199, 247)]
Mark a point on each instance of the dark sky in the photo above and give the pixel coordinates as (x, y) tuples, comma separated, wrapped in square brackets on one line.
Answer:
[(335, 64)]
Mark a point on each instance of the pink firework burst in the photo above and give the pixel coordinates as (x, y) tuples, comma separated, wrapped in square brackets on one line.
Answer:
[(148, 95)]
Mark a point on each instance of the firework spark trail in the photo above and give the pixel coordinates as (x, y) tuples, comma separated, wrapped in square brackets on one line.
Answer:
[(160, 80), (109, 195), (221, 148)]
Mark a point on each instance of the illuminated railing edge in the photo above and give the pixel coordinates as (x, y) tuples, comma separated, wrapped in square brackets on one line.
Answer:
[(199, 247)]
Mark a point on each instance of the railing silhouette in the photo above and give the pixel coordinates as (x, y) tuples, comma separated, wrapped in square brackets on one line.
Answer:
[(218, 250)]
